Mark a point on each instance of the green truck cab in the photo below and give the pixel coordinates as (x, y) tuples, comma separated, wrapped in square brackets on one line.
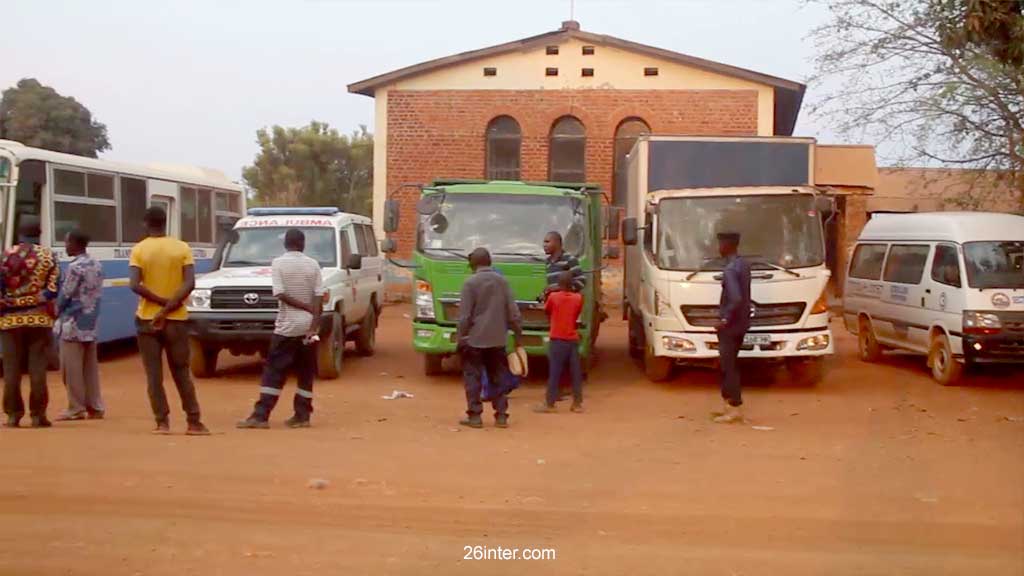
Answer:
[(510, 219)]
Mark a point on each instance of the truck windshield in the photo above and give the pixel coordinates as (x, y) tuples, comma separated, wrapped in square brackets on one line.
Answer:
[(5, 170), (781, 229), (995, 264), (259, 246), (508, 225)]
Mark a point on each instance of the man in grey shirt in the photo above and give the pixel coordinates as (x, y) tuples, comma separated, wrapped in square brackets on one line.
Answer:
[(487, 312), (298, 286)]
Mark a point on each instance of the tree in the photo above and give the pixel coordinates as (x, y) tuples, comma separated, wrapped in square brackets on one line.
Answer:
[(313, 166), (934, 82), (38, 116)]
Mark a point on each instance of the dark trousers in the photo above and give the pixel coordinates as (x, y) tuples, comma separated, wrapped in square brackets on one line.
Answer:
[(475, 361), (172, 341), (729, 342), (25, 347), (287, 355), (564, 356)]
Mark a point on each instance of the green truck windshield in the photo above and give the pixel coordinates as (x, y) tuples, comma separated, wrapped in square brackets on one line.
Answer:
[(508, 225), (5, 170)]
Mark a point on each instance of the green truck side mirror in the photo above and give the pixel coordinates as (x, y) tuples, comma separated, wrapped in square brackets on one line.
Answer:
[(388, 246), (391, 215)]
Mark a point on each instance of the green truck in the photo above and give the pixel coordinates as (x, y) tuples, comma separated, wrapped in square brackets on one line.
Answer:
[(510, 219)]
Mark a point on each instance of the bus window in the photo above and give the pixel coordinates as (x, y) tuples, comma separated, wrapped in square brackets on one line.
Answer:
[(86, 201), (188, 214), (28, 200), (204, 216), (133, 209)]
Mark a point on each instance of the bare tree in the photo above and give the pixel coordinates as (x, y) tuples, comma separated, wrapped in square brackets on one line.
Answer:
[(930, 82)]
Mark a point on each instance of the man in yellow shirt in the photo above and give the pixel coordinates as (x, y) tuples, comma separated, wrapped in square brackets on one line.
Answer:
[(163, 275)]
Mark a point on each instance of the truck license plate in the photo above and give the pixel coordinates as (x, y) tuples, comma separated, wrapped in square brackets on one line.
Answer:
[(757, 339)]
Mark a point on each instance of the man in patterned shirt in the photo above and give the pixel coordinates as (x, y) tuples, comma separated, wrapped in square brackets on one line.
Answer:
[(78, 308), (558, 261), (29, 288)]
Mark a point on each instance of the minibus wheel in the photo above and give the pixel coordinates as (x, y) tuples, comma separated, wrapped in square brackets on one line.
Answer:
[(868, 346), (945, 368)]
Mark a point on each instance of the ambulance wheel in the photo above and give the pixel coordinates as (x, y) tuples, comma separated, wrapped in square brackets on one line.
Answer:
[(433, 364), (946, 370), (657, 368), (366, 338), (202, 359), (330, 351)]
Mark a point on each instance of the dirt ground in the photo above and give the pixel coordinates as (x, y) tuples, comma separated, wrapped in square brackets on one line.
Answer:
[(877, 470)]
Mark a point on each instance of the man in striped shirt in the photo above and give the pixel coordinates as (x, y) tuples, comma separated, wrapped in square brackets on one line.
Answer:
[(298, 286), (558, 262)]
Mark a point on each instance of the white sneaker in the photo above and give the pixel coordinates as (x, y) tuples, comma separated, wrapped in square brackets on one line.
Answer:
[(732, 415)]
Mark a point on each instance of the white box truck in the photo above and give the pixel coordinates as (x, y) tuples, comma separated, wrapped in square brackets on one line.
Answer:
[(681, 192)]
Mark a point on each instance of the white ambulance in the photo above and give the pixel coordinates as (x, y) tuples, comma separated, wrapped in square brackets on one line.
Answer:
[(946, 284), (233, 307)]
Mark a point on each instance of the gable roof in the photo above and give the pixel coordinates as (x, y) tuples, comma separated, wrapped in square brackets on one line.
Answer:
[(788, 94)]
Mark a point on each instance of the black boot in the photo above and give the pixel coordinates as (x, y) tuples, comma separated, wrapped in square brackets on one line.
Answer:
[(41, 422)]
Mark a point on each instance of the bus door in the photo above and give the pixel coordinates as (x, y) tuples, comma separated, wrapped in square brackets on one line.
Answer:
[(7, 180), (165, 195)]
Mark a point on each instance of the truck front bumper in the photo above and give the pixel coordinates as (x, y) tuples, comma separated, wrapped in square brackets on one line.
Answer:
[(704, 345), (431, 338)]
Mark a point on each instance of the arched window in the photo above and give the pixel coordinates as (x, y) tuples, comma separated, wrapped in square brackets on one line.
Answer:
[(625, 136), (503, 140), (568, 151)]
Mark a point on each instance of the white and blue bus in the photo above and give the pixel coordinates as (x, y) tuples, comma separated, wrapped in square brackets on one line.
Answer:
[(107, 200)]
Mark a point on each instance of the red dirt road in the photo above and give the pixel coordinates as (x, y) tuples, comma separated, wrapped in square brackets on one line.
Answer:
[(876, 471)]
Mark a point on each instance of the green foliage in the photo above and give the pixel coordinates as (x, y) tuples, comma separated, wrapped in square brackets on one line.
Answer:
[(313, 166), (38, 116)]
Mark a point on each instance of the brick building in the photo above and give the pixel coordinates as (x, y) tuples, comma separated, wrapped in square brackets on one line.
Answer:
[(566, 105)]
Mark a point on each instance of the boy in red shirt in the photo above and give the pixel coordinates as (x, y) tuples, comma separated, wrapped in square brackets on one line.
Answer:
[(563, 308)]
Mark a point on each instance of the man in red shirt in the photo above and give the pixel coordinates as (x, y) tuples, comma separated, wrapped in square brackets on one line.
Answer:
[(563, 308)]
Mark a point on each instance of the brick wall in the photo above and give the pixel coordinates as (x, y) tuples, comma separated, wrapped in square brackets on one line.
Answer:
[(440, 134)]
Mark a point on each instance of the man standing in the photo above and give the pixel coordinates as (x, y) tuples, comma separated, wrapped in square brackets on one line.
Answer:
[(299, 288), (487, 312), (30, 275), (558, 261), (78, 308), (163, 275), (733, 323)]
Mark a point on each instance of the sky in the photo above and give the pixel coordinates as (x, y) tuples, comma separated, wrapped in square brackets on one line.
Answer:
[(190, 81)]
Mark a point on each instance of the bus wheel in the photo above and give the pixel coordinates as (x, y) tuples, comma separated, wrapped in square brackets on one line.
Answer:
[(945, 368), (657, 368), (366, 338), (433, 364), (806, 371), (867, 345), (202, 359), (330, 352)]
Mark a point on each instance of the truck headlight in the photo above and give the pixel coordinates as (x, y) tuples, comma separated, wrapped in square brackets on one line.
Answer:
[(424, 301), (813, 343), (200, 299), (981, 322), (676, 344)]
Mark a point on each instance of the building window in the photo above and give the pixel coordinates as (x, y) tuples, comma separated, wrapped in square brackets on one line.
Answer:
[(587, 72), (503, 144), (588, 50), (551, 71), (625, 136), (568, 151), (551, 50), (490, 71), (652, 71)]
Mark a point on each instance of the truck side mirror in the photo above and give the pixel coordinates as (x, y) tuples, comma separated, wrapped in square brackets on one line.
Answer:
[(630, 233), (354, 262), (389, 246), (391, 214), (612, 222)]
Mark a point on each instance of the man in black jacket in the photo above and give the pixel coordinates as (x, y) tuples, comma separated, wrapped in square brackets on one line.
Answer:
[(733, 323)]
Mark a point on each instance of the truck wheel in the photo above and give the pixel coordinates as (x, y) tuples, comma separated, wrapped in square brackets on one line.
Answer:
[(433, 364), (945, 368), (806, 371), (636, 336), (202, 359), (366, 338), (657, 368), (330, 352), (867, 345)]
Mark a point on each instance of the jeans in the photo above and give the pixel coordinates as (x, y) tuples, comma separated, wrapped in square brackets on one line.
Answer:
[(25, 347), (475, 361), (286, 355), (563, 355), (172, 341), (729, 342)]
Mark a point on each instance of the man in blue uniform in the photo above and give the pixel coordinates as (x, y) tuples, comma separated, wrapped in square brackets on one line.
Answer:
[(733, 323)]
